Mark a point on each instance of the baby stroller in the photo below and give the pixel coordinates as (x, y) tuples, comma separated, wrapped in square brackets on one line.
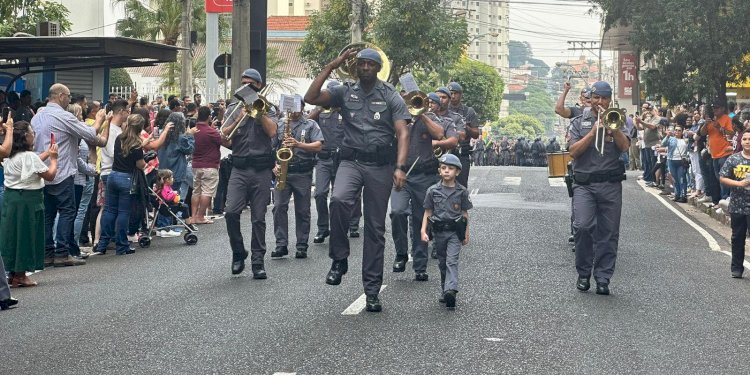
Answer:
[(160, 207)]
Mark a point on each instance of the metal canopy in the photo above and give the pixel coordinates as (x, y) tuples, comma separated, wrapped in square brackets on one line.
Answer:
[(72, 53), (616, 39)]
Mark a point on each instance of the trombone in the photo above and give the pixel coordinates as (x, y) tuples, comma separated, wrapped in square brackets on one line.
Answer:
[(614, 119), (257, 107)]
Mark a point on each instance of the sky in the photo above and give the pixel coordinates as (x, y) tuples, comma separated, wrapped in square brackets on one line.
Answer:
[(548, 24)]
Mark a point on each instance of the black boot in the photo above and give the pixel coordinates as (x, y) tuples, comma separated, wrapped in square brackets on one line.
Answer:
[(301, 252), (338, 269), (450, 299), (321, 236), (259, 272), (354, 232), (399, 265), (583, 283), (373, 303), (238, 262), (602, 288), (280, 252), (8, 303)]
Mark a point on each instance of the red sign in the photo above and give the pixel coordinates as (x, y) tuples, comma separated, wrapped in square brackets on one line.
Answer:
[(218, 6), (628, 66)]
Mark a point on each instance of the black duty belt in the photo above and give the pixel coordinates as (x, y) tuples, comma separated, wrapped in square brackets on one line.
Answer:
[(426, 167), (462, 151), (381, 155), (257, 162), (326, 154), (592, 178), (301, 166)]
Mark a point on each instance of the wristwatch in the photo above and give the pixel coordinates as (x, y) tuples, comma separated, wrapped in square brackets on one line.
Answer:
[(402, 167)]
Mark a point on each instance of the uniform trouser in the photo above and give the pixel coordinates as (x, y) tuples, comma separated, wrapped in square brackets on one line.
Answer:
[(448, 246), (597, 208), (411, 195), (463, 177), (376, 183), (253, 186), (739, 234), (325, 175), (299, 185)]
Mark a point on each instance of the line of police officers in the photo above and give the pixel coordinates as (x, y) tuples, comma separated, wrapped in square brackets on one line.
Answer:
[(363, 145)]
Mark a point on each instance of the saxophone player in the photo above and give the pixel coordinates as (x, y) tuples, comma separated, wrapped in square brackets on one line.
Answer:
[(304, 138)]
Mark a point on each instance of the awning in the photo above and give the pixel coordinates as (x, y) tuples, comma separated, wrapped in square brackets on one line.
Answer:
[(38, 54), (616, 39)]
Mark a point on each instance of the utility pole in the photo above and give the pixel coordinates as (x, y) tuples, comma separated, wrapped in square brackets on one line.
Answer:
[(594, 46), (240, 40), (356, 20), (186, 76)]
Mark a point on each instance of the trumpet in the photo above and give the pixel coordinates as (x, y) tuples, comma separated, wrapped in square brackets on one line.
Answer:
[(349, 68), (416, 102), (257, 107), (614, 119), (437, 150)]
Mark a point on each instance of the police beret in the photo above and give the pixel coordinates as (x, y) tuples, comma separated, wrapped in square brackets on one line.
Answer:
[(370, 54), (450, 159), (333, 84), (454, 86), (586, 93), (444, 90), (601, 88), (252, 74), (434, 97)]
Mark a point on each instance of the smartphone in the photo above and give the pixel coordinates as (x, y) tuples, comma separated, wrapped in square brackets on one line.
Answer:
[(6, 113), (156, 132), (51, 138)]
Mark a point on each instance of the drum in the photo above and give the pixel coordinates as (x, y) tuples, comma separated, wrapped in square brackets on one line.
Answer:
[(557, 163)]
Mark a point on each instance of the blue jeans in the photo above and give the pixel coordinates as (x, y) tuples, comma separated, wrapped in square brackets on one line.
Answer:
[(679, 177), (60, 199), (116, 213), (648, 160), (88, 190), (718, 163)]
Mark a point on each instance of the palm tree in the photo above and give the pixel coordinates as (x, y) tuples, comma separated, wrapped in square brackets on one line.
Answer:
[(160, 19)]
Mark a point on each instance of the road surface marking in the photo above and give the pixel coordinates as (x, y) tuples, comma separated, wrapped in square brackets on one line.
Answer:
[(712, 244), (475, 191), (284, 373), (410, 258), (556, 182), (493, 339), (358, 305), (515, 181)]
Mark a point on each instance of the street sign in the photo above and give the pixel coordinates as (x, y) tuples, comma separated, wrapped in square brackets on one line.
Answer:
[(515, 97), (223, 66), (218, 6)]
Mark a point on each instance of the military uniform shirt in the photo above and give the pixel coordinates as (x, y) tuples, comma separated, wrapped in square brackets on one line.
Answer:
[(368, 117), (250, 139), (420, 142), (591, 161), (446, 203), (303, 130), (333, 131), (469, 118), (737, 168)]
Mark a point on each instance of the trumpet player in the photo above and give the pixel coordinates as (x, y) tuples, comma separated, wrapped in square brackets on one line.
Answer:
[(597, 190), (423, 130), (470, 130), (305, 139), (250, 180)]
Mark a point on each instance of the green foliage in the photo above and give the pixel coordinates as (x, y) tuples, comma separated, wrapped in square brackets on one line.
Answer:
[(24, 15), (518, 125), (327, 34), (520, 53), (407, 32), (163, 19), (119, 77), (695, 43), (483, 87), (538, 104)]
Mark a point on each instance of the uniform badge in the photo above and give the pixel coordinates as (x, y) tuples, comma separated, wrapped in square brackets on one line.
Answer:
[(377, 116), (586, 124)]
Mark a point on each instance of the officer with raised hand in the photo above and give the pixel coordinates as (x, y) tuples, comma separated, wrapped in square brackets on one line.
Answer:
[(375, 117), (470, 130), (424, 166), (329, 120), (306, 139), (597, 191), (250, 181)]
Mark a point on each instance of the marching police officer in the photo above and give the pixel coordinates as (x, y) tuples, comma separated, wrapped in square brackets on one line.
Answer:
[(597, 191), (306, 139), (424, 166), (250, 181), (373, 112), (471, 130), (329, 121)]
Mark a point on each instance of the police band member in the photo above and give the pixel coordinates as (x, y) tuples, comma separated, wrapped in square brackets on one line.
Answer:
[(306, 140), (373, 113), (471, 130), (250, 180), (450, 121), (330, 124), (584, 100), (597, 192), (423, 130)]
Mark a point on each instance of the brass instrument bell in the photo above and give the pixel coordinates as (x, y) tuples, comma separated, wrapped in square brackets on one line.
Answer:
[(416, 102), (349, 68)]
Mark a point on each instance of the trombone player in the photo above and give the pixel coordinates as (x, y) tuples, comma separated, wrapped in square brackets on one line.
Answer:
[(250, 180), (597, 189), (373, 158)]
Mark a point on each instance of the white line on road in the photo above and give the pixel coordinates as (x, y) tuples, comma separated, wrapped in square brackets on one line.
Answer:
[(556, 182), (475, 191), (712, 244), (284, 373), (493, 339), (512, 181), (358, 305)]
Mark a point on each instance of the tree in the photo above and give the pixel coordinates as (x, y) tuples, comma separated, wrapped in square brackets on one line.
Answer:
[(698, 45), (119, 77), (538, 104), (24, 15), (520, 53), (483, 87), (327, 34), (518, 125)]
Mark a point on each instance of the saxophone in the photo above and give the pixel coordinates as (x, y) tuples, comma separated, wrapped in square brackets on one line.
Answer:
[(283, 155)]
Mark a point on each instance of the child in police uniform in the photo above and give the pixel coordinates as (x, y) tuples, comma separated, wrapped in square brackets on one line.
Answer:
[(446, 207), (735, 173)]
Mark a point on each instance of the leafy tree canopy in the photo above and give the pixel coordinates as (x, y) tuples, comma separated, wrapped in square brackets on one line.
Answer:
[(518, 125), (119, 77), (538, 104), (483, 87), (24, 15), (520, 53)]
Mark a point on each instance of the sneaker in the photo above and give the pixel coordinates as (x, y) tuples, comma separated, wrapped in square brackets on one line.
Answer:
[(650, 184), (704, 199), (133, 238), (720, 211), (167, 233), (68, 261)]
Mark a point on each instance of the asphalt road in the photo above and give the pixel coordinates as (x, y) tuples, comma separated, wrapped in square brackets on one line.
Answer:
[(175, 309)]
